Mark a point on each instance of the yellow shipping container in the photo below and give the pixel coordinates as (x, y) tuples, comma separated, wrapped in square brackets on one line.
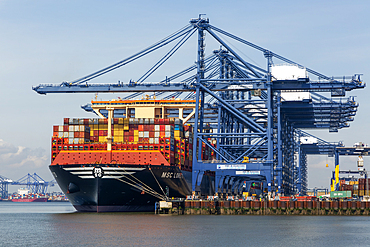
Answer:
[(118, 138), (136, 138), (120, 121), (102, 139), (118, 127), (136, 133), (118, 132), (103, 126), (177, 133)]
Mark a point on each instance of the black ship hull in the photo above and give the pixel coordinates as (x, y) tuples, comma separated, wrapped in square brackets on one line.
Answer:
[(123, 188)]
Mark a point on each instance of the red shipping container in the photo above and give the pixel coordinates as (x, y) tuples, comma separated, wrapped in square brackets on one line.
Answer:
[(76, 134), (161, 121), (166, 121), (151, 134), (101, 132), (162, 128), (55, 128), (141, 127), (115, 120), (65, 128), (131, 138), (147, 127), (156, 121), (66, 120)]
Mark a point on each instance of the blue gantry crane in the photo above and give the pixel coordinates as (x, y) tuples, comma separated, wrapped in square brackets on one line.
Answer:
[(257, 114), (4, 185), (33, 182)]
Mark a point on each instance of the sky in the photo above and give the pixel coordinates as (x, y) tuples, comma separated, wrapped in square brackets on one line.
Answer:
[(48, 42)]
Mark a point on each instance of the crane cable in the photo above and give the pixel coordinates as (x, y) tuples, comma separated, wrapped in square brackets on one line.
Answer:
[(157, 182), (144, 187)]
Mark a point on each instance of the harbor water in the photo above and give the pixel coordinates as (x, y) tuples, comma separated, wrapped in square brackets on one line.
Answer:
[(58, 224)]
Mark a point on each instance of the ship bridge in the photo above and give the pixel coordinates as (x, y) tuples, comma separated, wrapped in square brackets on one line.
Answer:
[(146, 108)]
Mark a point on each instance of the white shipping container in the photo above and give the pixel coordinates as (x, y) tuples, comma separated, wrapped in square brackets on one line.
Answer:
[(76, 128), (288, 72), (295, 96), (167, 134), (156, 134), (151, 140), (141, 133), (61, 134), (146, 134), (71, 134), (308, 140), (168, 128), (156, 140), (70, 128), (164, 204), (60, 128), (82, 128), (157, 128), (65, 134)]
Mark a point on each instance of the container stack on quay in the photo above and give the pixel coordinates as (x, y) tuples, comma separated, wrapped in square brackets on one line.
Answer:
[(169, 136), (357, 187)]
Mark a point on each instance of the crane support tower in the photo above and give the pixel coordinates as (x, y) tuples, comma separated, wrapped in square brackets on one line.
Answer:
[(254, 114)]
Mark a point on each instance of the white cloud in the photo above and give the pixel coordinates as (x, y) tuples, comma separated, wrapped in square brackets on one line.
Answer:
[(16, 161)]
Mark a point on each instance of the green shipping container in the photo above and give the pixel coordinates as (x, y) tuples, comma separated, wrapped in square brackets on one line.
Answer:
[(340, 194)]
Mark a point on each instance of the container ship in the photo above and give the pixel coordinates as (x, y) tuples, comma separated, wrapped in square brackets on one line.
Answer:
[(30, 199), (127, 163), (24, 195)]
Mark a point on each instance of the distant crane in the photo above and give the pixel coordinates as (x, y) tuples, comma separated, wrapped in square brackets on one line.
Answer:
[(4, 182), (33, 182)]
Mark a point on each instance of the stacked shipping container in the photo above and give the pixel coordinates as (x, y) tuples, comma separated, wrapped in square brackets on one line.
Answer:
[(356, 187), (168, 136)]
